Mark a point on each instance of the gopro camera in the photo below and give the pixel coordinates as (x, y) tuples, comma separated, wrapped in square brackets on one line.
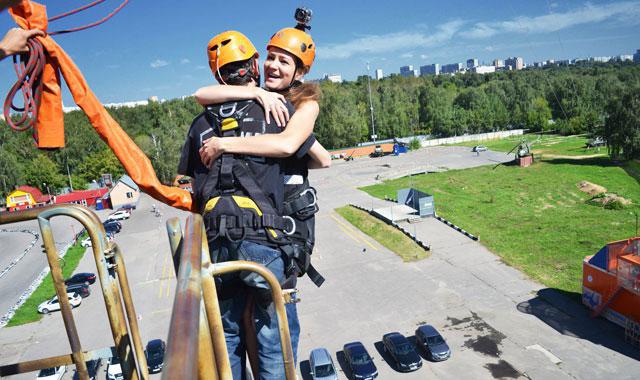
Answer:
[(303, 17)]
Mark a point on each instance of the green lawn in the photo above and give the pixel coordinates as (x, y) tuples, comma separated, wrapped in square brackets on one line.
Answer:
[(535, 218), (388, 236), (28, 312), (548, 145)]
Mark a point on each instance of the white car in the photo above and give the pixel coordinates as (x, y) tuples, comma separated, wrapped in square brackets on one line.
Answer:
[(52, 305), (114, 371), (119, 215), (86, 243), (53, 373)]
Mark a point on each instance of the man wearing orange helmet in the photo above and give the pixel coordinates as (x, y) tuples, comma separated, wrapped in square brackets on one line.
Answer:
[(219, 185)]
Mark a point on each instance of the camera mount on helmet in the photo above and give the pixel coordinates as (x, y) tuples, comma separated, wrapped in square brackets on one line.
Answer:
[(303, 17)]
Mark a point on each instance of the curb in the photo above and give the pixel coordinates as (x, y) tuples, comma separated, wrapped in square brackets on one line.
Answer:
[(421, 243), (459, 229)]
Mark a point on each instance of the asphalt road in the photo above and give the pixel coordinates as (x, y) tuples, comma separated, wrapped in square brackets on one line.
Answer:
[(498, 323)]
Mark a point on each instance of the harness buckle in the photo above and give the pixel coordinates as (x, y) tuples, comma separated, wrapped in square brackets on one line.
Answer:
[(290, 296), (293, 226), (312, 191)]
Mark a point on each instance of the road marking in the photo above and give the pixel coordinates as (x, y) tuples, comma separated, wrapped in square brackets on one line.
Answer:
[(356, 233), (554, 359), (164, 269), (352, 233)]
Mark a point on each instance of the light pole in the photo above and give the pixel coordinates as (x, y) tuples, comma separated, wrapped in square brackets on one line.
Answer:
[(48, 192), (373, 126)]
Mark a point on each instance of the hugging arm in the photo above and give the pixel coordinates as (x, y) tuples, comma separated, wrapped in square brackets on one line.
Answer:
[(284, 144)]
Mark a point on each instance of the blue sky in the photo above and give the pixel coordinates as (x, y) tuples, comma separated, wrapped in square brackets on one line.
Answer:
[(159, 47)]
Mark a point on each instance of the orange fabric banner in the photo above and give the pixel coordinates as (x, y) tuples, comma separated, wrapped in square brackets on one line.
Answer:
[(30, 15)]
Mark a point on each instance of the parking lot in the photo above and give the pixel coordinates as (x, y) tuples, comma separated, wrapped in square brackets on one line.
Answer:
[(498, 323)]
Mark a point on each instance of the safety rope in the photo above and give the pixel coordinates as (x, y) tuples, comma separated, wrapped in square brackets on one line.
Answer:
[(29, 69)]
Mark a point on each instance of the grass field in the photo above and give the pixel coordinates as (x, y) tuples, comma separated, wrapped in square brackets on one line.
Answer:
[(547, 146), (28, 312), (388, 236), (535, 218)]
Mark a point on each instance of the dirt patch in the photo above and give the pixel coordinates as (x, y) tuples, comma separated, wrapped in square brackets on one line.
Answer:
[(610, 198), (591, 188)]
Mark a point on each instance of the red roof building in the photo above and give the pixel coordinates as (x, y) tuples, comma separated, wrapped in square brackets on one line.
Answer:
[(81, 197), (35, 193)]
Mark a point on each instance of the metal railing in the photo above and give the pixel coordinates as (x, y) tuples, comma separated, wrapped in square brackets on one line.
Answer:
[(196, 345), (196, 326), (115, 289)]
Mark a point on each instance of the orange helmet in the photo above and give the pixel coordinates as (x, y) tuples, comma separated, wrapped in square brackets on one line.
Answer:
[(296, 42), (227, 47)]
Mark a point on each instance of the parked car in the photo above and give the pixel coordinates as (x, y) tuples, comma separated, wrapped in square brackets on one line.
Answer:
[(52, 305), (111, 229), (114, 371), (119, 215), (479, 148), (595, 142), (92, 369), (112, 225), (321, 364), (86, 243), (432, 342), (155, 355), (53, 373), (82, 289), (359, 361), (81, 278), (402, 352)]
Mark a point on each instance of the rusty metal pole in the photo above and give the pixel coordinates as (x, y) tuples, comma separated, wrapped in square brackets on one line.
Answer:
[(212, 307), (132, 317), (61, 291), (182, 346)]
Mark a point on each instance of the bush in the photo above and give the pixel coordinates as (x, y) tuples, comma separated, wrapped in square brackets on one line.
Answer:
[(414, 144), (614, 205)]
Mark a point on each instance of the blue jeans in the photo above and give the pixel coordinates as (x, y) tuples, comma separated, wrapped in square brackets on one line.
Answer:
[(233, 297)]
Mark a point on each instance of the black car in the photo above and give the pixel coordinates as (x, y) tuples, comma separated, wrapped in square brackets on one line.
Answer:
[(155, 355), (81, 278), (112, 226), (92, 368), (81, 288), (402, 352), (360, 363), (432, 342)]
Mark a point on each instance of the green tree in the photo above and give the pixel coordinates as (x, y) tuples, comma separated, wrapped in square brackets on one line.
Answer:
[(539, 115), (622, 125), (99, 163), (42, 170)]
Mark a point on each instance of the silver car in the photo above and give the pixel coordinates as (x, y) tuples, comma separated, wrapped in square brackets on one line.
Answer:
[(321, 364)]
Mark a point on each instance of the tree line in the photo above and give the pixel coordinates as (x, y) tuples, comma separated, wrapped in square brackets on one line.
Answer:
[(599, 99)]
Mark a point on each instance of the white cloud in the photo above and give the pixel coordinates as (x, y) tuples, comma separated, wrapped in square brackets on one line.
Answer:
[(554, 22), (184, 61), (424, 56), (391, 42), (158, 63), (201, 67), (407, 55)]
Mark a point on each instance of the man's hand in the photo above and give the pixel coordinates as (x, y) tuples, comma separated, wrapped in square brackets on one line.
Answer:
[(210, 150), (15, 41), (273, 103)]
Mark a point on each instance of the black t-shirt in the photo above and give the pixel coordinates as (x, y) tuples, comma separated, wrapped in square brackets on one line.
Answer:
[(266, 171)]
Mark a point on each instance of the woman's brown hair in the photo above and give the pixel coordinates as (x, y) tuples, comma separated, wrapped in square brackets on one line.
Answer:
[(302, 92)]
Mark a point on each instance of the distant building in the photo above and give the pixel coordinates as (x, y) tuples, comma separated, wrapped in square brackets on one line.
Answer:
[(624, 57), (603, 59), (407, 71), (451, 68), (516, 63), (25, 197), (636, 57), (483, 69), (379, 74), (498, 63), (81, 197), (124, 193), (472, 62), (432, 69), (333, 78)]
